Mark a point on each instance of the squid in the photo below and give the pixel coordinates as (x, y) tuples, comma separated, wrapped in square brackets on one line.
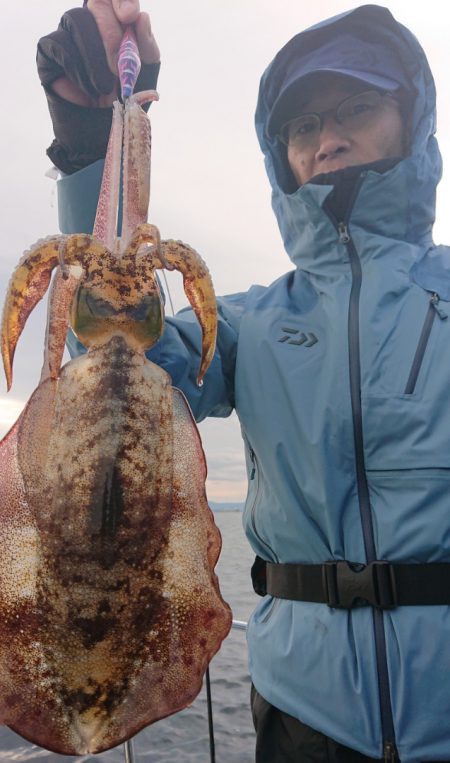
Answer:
[(110, 610)]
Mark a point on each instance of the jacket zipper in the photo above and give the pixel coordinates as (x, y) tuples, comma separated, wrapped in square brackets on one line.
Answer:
[(255, 473), (433, 310), (389, 754), (387, 721)]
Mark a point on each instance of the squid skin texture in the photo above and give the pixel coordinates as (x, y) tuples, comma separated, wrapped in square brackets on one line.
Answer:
[(110, 607), (111, 610)]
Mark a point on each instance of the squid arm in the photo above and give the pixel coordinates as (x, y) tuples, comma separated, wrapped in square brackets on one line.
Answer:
[(60, 298), (29, 283), (197, 283)]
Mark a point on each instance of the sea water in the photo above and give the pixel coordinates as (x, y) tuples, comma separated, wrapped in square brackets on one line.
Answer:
[(183, 738)]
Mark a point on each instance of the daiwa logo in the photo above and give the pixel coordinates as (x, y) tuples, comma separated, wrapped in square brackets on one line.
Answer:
[(297, 337)]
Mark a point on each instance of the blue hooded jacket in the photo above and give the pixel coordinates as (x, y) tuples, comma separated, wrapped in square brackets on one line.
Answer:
[(338, 372)]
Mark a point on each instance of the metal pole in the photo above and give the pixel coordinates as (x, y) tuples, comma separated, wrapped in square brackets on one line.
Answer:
[(239, 625), (212, 746), (129, 752)]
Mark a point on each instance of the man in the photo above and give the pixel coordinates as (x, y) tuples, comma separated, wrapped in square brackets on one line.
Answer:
[(337, 372)]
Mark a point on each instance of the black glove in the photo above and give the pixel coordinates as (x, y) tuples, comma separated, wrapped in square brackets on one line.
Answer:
[(76, 51)]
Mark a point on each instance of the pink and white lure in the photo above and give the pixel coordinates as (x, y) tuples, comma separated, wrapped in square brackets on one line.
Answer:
[(129, 63)]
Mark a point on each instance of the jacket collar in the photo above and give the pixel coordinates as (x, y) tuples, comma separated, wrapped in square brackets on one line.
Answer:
[(377, 205)]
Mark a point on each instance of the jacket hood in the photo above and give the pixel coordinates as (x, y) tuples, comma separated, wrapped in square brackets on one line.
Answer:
[(399, 201)]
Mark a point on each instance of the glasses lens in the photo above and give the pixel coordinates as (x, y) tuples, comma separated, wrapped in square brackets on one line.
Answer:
[(301, 131), (356, 111), (359, 109)]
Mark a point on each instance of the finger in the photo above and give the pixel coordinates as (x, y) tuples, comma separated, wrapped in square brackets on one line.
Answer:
[(109, 27), (112, 16), (148, 47), (127, 11)]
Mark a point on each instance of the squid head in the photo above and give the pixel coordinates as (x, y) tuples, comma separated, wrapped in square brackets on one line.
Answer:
[(114, 295)]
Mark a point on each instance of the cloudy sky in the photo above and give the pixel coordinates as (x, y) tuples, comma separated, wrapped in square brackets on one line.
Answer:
[(208, 181)]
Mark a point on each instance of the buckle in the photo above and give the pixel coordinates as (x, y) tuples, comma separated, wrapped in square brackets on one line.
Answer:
[(348, 584)]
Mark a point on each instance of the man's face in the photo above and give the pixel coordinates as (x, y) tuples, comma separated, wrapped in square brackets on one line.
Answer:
[(336, 145)]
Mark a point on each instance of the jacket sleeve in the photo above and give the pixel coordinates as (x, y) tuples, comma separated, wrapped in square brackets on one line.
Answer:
[(179, 349)]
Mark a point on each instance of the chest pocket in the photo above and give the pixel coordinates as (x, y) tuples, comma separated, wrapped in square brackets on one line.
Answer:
[(408, 425), (433, 311), (431, 273)]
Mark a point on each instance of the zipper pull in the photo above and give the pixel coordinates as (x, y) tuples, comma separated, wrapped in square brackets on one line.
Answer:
[(390, 753), (253, 458), (344, 236), (434, 302)]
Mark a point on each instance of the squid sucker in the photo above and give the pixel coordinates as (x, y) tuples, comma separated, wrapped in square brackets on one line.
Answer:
[(110, 610)]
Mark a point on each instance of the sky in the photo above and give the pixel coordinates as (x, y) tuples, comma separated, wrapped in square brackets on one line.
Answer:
[(208, 182)]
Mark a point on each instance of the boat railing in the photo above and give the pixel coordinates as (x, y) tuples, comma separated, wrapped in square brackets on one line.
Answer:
[(238, 625)]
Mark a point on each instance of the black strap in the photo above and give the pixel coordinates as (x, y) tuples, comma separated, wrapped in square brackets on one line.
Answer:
[(345, 584)]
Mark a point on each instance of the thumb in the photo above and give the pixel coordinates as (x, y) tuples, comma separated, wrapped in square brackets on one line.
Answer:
[(148, 47)]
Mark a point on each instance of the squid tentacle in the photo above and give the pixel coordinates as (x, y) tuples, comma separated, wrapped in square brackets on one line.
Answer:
[(136, 164), (105, 225), (130, 133)]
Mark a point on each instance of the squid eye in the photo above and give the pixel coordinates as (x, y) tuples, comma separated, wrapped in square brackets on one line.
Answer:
[(147, 318), (138, 312), (96, 306), (149, 309)]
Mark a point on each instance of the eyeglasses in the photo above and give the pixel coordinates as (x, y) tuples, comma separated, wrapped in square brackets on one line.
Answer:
[(354, 112)]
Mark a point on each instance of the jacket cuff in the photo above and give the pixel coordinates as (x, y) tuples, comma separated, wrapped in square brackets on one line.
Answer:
[(83, 132)]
